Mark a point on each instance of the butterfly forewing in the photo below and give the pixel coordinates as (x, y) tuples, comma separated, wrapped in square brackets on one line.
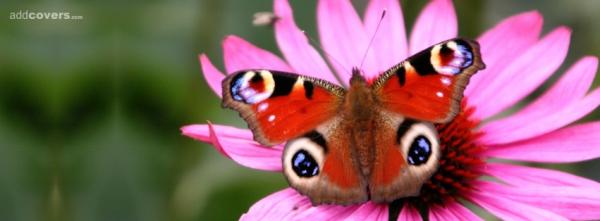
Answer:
[(279, 106), (429, 85)]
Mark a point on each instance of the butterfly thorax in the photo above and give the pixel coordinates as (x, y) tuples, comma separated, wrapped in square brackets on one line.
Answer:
[(360, 101)]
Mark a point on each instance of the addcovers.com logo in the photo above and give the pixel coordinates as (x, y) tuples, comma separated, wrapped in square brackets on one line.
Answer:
[(36, 15)]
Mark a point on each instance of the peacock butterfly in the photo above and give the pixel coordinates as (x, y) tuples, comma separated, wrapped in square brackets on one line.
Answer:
[(373, 141)]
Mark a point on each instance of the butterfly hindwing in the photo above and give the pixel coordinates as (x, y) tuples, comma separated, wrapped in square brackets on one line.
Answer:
[(279, 106), (322, 166), (407, 154), (429, 85)]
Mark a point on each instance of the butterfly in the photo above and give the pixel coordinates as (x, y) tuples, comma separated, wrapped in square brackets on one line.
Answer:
[(373, 141)]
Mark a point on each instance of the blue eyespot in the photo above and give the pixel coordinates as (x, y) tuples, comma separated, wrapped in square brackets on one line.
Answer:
[(420, 150), (236, 88), (466, 53), (456, 58), (304, 165)]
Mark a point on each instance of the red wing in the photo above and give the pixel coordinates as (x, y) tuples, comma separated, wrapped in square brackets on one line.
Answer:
[(280, 106), (429, 85)]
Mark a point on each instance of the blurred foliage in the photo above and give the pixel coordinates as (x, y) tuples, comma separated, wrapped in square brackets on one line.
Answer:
[(90, 109)]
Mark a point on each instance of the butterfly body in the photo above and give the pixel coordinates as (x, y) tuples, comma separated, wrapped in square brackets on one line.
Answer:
[(361, 116), (373, 141)]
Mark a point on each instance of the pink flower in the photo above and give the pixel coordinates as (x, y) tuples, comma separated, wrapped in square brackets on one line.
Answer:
[(518, 61)]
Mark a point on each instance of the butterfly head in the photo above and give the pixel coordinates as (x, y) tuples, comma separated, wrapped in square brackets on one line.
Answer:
[(357, 78)]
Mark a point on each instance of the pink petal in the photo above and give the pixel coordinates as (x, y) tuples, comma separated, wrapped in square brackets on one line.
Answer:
[(212, 75), (365, 211), (500, 46), (409, 213), (389, 43), (240, 55), (277, 206), (572, 144), (238, 145), (529, 176), (295, 47), (327, 212), (344, 38), (370, 211), (508, 209), (438, 213), (578, 203), (436, 23), (451, 211), (461, 212), (523, 75), (288, 204), (568, 91), (572, 86)]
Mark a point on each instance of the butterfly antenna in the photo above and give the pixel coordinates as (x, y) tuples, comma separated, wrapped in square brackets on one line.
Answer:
[(314, 42), (372, 39)]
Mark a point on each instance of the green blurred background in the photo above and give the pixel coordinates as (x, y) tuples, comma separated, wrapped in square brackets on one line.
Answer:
[(90, 109)]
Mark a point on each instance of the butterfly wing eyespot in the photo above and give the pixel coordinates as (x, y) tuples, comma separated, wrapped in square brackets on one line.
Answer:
[(279, 106), (452, 57), (252, 87), (421, 148), (429, 85), (303, 161), (415, 154), (419, 151)]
